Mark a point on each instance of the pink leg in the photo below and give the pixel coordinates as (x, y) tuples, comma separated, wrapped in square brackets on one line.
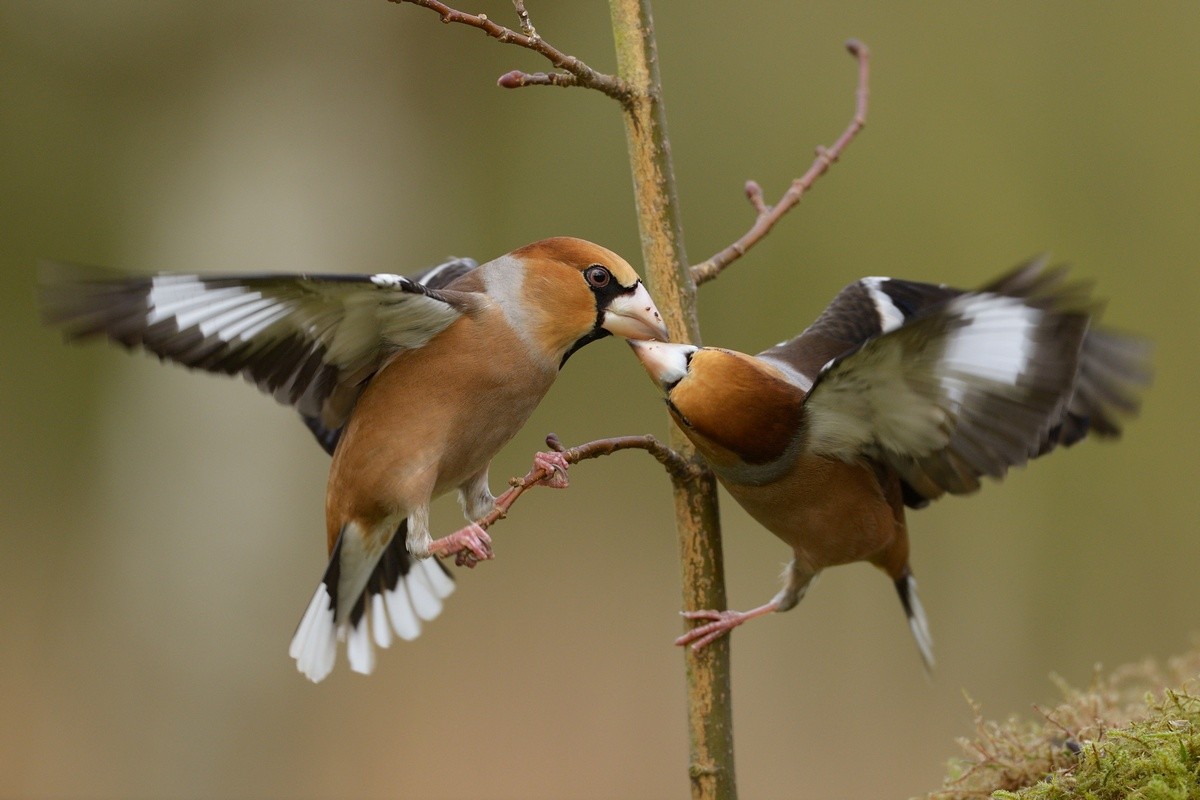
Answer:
[(556, 467), (470, 545), (722, 623)]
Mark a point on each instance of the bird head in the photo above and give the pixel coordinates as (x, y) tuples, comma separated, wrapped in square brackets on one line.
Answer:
[(734, 407), (575, 292)]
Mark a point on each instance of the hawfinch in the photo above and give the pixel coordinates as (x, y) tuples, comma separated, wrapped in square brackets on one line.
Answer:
[(898, 393), (412, 384)]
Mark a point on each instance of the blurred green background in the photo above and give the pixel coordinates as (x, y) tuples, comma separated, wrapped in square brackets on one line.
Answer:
[(163, 531)]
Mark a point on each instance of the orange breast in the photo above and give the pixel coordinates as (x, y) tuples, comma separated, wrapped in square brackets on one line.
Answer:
[(430, 419), (830, 512)]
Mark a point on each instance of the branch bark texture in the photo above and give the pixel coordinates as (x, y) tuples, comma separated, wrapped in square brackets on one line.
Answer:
[(710, 708)]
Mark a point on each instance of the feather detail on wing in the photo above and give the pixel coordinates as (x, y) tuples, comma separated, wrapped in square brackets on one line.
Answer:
[(966, 388), (863, 310), (1113, 369), (438, 277), (311, 341), (948, 385)]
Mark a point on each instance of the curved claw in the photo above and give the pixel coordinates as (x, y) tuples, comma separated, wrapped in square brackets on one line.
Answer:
[(556, 465), (469, 546)]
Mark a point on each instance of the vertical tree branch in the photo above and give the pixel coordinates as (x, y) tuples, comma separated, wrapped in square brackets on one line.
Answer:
[(710, 717)]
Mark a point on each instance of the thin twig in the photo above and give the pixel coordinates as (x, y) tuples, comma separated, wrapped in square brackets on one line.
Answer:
[(526, 23), (516, 79), (767, 216), (675, 464), (575, 72)]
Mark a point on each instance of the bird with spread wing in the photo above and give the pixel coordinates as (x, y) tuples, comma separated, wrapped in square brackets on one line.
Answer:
[(411, 384), (898, 393)]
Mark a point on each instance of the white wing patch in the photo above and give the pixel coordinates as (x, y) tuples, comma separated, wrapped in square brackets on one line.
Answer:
[(890, 317), (232, 314), (173, 294), (388, 280), (995, 343), (302, 338), (904, 392)]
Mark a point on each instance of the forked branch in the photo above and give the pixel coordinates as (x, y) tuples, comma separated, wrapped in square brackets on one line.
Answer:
[(574, 72), (767, 216)]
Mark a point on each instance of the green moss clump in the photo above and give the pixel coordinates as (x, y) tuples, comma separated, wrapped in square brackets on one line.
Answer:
[(1124, 737)]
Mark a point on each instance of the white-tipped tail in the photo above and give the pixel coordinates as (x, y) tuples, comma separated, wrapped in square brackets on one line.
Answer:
[(438, 579), (404, 620), (425, 599), (917, 623), (379, 622), (416, 596), (315, 644), (359, 649)]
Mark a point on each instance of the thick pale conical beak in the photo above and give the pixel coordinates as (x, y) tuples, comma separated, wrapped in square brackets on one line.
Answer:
[(634, 317), (667, 363)]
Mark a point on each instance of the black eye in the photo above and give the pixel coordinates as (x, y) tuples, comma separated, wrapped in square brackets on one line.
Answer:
[(597, 276)]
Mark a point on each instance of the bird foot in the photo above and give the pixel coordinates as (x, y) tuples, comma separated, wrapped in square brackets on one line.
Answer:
[(555, 465), (469, 546), (721, 623)]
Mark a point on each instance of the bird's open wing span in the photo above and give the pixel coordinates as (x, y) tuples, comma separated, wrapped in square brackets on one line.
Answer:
[(311, 341), (966, 388)]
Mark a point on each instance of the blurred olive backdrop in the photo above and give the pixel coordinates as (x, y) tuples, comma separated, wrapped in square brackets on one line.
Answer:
[(162, 531)]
